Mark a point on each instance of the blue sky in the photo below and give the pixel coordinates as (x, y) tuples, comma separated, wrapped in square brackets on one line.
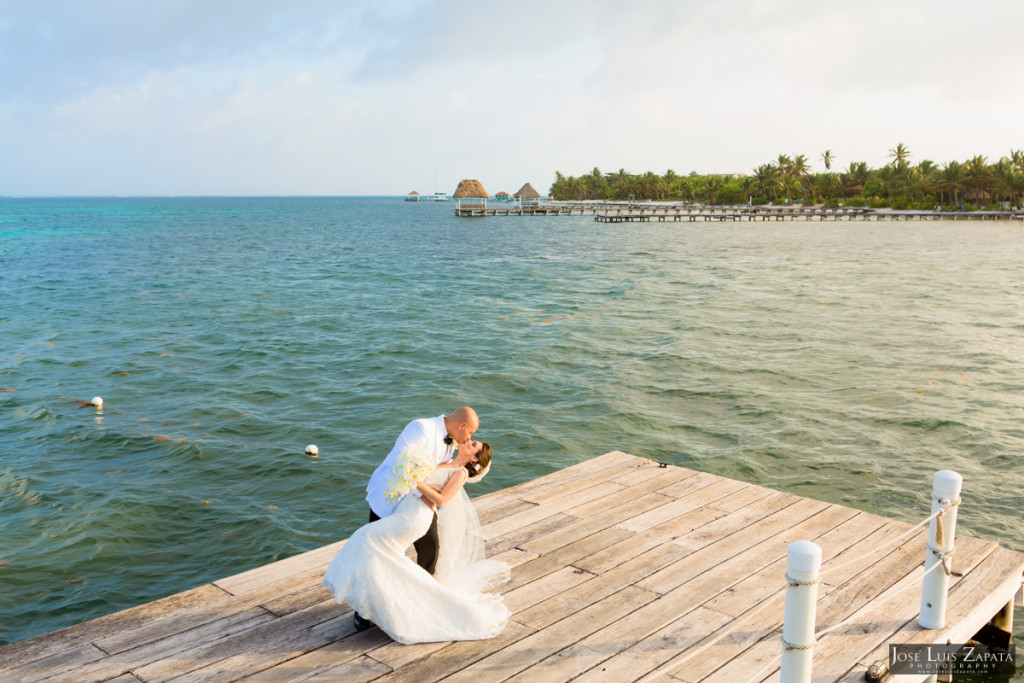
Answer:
[(308, 97)]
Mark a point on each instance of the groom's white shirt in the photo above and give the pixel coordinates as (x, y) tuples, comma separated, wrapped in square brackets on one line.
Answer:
[(428, 434)]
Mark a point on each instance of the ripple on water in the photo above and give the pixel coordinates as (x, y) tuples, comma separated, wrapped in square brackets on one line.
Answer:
[(841, 362)]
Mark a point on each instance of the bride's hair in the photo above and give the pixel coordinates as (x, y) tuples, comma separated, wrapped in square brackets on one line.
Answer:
[(483, 460)]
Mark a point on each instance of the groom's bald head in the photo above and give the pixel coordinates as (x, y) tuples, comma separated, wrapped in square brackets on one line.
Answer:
[(461, 423)]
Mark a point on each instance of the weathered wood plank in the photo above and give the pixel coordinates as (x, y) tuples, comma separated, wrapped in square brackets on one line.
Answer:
[(525, 596), (187, 608), (249, 651), (123, 662), (48, 667), (703, 496), (576, 529), (323, 659), (712, 551), (561, 666), (358, 670), (653, 476), (456, 656), (638, 543), (527, 517), (305, 597), (564, 556), (690, 485), (674, 640), (513, 557), (559, 606), (670, 530), (645, 621), (528, 651), (562, 476), (601, 478), (749, 519), (523, 535), (168, 624), (736, 599), (398, 656), (501, 509), (252, 579)]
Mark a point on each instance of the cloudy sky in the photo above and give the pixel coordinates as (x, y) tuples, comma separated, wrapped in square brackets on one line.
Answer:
[(344, 97)]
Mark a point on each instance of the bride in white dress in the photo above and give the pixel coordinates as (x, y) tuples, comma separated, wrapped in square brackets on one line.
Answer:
[(372, 574)]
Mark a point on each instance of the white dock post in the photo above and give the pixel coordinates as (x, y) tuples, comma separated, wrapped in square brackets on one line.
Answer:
[(803, 560), (941, 534)]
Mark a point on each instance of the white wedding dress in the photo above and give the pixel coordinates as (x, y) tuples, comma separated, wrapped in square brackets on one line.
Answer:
[(372, 574)]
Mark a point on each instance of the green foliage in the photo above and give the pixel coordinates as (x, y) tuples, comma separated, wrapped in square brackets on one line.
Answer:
[(788, 179), (732, 193)]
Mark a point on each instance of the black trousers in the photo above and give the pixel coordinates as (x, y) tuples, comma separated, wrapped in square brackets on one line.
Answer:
[(426, 545)]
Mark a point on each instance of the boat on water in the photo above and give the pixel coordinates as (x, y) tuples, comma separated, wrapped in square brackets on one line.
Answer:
[(441, 197)]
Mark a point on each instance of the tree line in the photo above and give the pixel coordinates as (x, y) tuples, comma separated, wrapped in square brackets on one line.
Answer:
[(899, 184)]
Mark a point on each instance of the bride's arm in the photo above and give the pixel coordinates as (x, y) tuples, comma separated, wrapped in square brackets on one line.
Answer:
[(441, 497)]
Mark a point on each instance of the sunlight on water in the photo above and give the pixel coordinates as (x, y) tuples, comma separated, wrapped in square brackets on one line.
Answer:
[(841, 361)]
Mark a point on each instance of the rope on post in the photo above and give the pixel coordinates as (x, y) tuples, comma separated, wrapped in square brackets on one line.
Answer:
[(790, 581), (801, 582), (787, 646), (945, 506), (944, 558)]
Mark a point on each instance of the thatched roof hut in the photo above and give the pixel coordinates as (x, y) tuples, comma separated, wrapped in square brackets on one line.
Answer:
[(470, 188), (527, 192)]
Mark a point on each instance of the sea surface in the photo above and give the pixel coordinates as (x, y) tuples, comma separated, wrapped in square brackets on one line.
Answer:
[(842, 361)]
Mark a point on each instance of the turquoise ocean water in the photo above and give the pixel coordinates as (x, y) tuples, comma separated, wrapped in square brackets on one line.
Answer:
[(841, 361)]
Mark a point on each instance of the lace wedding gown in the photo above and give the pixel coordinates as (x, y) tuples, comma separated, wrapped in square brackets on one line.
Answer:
[(372, 574)]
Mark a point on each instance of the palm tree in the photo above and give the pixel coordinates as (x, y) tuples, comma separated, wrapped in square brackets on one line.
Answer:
[(855, 177), (952, 178), (1017, 160), (978, 174), (785, 174), (798, 169), (1007, 182), (715, 183), (671, 178), (766, 176), (828, 158), (899, 155)]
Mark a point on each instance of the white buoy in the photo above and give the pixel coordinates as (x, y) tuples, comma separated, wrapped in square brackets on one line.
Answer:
[(97, 401), (803, 560), (312, 450), (946, 486)]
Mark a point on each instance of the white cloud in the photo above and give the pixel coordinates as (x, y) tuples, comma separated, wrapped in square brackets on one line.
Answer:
[(319, 97)]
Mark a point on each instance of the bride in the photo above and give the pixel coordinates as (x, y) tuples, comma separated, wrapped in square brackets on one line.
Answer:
[(372, 574)]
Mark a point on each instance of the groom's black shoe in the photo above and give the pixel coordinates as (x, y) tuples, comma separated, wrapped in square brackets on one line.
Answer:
[(360, 623)]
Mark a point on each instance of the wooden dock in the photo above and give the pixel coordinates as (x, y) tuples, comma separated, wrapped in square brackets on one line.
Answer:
[(625, 212), (622, 567)]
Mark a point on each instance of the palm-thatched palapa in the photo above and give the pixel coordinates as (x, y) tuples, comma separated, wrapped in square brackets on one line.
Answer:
[(527, 192), (470, 188)]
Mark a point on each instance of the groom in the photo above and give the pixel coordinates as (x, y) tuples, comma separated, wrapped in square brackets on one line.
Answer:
[(435, 437)]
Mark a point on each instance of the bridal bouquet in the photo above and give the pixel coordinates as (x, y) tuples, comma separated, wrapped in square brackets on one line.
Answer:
[(411, 466)]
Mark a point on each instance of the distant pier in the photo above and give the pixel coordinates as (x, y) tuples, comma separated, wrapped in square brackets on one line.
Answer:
[(625, 212)]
